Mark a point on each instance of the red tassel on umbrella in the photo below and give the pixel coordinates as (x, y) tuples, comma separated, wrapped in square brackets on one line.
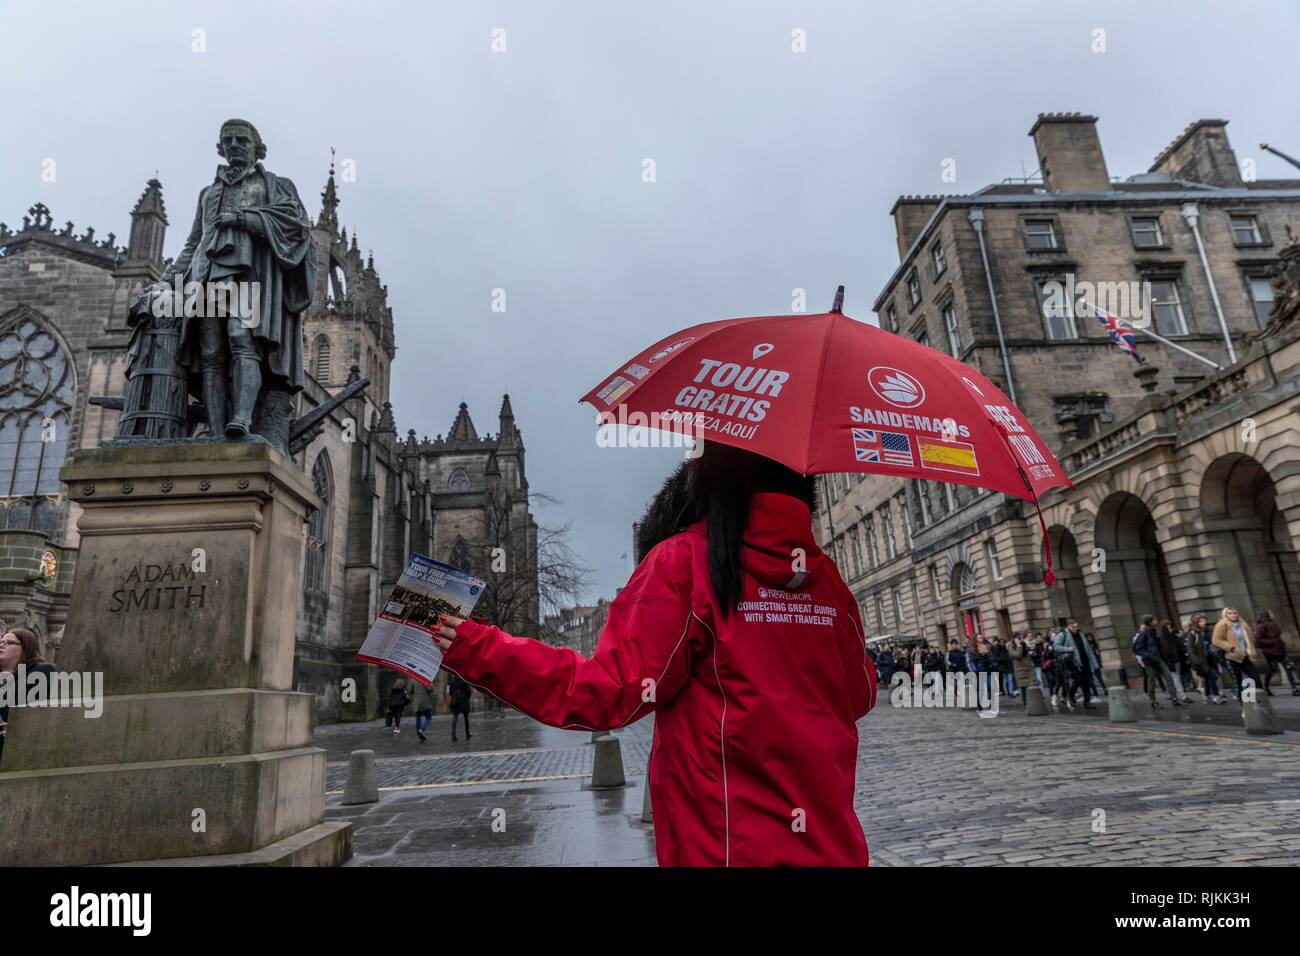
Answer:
[(1049, 576)]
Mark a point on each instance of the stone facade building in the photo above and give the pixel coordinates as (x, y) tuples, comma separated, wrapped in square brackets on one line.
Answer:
[(63, 335), (1186, 495), (577, 627)]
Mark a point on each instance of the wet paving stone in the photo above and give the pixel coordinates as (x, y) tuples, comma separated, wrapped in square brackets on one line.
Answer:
[(934, 788)]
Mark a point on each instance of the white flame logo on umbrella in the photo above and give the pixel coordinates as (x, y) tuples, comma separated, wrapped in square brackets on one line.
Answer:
[(896, 387)]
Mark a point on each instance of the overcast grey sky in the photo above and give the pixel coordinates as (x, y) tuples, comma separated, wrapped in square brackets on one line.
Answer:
[(521, 170)]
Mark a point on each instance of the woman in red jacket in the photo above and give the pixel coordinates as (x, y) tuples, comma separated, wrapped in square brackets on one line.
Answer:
[(740, 636)]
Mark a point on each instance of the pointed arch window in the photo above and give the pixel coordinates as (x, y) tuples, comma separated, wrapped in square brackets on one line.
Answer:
[(315, 577), (459, 481), (37, 387)]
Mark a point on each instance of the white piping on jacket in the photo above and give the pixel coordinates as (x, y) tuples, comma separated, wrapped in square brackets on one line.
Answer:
[(667, 664), (722, 740), (865, 673)]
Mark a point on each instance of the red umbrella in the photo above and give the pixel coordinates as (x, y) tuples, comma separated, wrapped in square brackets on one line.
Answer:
[(826, 393)]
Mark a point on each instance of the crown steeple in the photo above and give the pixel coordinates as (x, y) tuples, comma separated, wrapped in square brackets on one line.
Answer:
[(329, 201)]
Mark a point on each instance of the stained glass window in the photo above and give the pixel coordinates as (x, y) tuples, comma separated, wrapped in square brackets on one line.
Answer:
[(36, 393)]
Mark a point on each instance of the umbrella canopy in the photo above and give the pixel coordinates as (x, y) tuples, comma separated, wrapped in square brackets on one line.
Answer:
[(825, 393)]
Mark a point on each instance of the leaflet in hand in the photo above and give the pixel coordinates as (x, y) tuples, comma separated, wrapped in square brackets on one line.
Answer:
[(402, 636)]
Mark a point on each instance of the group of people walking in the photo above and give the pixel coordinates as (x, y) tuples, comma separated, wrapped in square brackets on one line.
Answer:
[(1066, 664), (1211, 659), (457, 698)]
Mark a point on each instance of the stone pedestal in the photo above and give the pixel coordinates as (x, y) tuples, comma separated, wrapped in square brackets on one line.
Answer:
[(1258, 717), (607, 765), (1035, 706), (1121, 707), (185, 601)]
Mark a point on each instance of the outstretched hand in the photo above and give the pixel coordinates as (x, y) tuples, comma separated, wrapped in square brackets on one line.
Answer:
[(446, 632)]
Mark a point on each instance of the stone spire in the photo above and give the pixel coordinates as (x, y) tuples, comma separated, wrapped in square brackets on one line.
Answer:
[(148, 226), (506, 437), (462, 429), (329, 202)]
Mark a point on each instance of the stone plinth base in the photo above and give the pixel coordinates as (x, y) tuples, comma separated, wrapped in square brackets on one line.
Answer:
[(184, 605), (326, 844)]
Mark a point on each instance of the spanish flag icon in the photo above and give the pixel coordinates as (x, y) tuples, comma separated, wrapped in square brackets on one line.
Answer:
[(941, 455)]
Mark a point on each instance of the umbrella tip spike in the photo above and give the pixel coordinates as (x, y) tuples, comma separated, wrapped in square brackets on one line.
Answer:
[(838, 305)]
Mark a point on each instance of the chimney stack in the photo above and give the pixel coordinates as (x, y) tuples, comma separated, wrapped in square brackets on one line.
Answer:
[(1201, 154), (1069, 153), (911, 213)]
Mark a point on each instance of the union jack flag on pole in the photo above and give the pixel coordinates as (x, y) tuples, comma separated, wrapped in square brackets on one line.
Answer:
[(1121, 333)]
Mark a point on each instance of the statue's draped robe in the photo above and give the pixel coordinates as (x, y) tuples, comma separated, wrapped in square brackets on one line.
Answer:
[(282, 262)]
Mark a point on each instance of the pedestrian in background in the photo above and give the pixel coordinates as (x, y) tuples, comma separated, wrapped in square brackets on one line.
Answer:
[(423, 710), (1146, 647), (1036, 655), (1065, 659), (20, 645), (1022, 665), (1175, 655), (1096, 673), (1233, 637), (1002, 661), (982, 663), (1050, 671), (956, 658), (460, 693), (398, 698), (884, 666), (1268, 638), (1204, 658)]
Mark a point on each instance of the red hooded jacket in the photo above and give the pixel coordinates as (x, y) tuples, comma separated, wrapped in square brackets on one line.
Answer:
[(755, 738)]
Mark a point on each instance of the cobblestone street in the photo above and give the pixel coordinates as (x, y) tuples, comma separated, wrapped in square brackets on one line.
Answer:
[(935, 787)]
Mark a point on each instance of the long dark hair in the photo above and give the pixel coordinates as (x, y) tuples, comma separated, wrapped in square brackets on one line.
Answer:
[(719, 485), (31, 644)]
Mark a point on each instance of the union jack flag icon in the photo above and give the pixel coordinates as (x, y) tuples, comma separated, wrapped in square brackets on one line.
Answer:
[(882, 448)]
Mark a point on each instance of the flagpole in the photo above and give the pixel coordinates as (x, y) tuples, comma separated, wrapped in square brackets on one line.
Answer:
[(1174, 345)]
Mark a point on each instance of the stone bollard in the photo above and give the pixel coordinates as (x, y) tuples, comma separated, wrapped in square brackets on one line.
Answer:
[(607, 767), (1259, 718), (1121, 708), (647, 813), (1035, 706), (597, 734), (363, 778)]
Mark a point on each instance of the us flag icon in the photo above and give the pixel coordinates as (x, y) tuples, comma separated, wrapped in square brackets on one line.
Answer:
[(887, 448)]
